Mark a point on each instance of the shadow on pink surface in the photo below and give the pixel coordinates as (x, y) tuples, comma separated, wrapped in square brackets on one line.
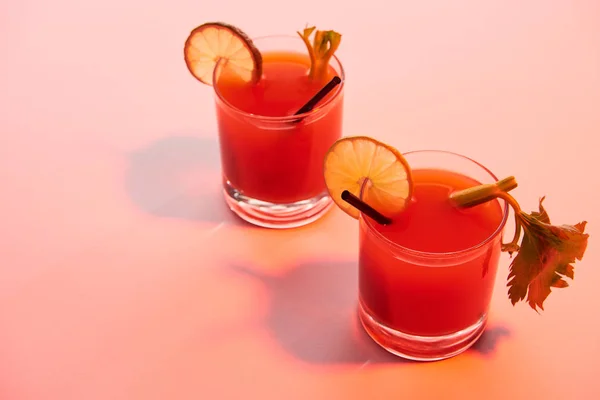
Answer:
[(313, 316), (179, 177)]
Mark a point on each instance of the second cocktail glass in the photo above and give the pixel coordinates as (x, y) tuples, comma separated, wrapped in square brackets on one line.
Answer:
[(426, 280), (271, 159), (431, 226)]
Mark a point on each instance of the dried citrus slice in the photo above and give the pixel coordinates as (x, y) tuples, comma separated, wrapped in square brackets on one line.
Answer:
[(371, 170), (214, 41)]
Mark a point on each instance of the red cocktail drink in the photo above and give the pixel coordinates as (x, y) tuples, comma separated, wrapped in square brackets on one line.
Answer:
[(431, 226), (426, 280), (272, 160)]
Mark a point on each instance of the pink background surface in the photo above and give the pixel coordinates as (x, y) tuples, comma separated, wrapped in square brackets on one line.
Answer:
[(123, 275)]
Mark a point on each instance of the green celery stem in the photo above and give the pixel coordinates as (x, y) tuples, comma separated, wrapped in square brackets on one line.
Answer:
[(476, 195)]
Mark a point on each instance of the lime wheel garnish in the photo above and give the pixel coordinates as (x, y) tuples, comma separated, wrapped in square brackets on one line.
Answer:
[(214, 42), (372, 171)]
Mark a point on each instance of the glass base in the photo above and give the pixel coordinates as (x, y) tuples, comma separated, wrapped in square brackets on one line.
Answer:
[(276, 216), (421, 348)]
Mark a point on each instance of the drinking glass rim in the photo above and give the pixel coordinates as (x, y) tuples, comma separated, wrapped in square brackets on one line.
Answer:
[(286, 118), (442, 255)]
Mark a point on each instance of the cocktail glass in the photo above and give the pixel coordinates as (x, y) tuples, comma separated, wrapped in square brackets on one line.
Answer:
[(430, 300), (272, 165)]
